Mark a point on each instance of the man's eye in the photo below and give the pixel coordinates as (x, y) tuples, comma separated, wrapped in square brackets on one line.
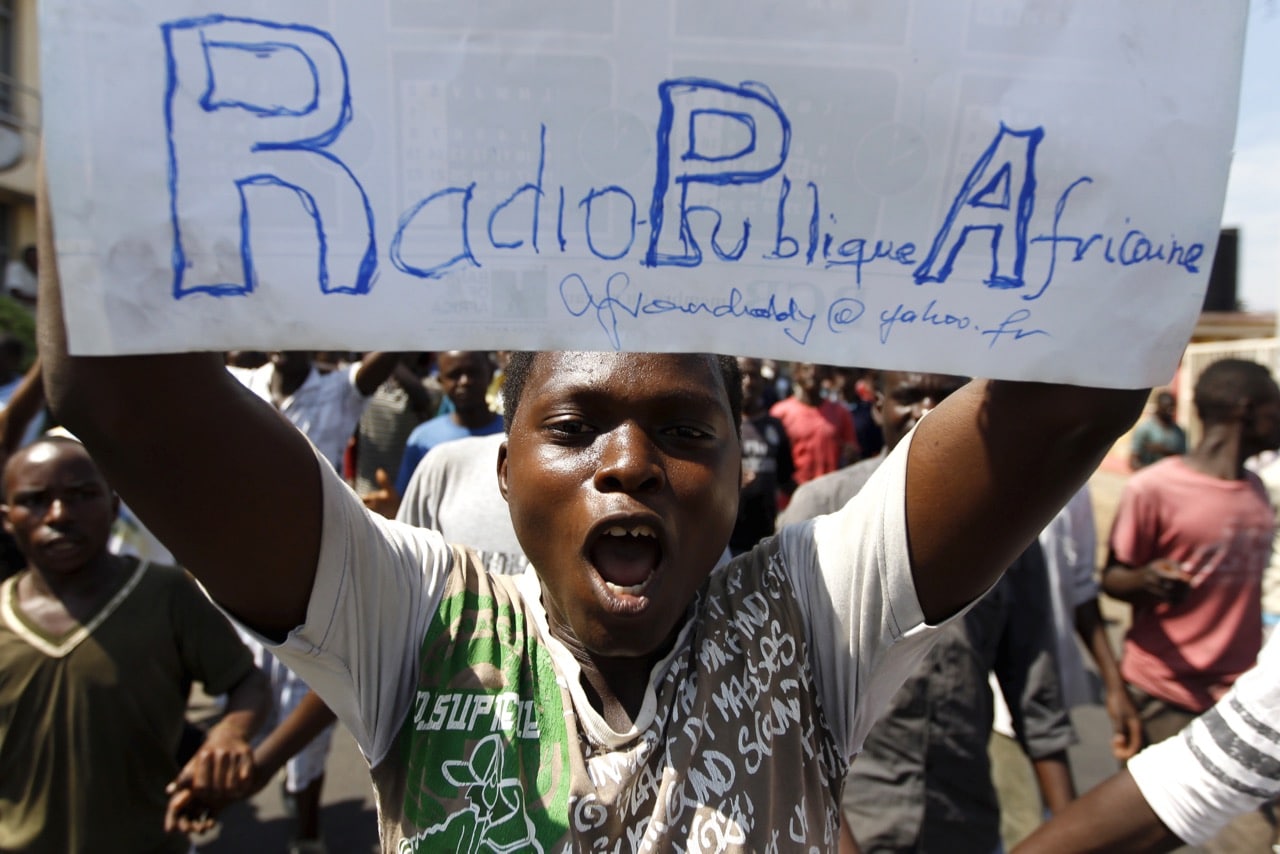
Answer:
[(568, 428), (684, 431)]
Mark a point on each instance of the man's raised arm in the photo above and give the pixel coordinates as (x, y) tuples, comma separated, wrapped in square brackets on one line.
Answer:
[(227, 484), (987, 471)]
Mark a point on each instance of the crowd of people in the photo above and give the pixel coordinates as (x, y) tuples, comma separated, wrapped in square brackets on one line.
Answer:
[(627, 601)]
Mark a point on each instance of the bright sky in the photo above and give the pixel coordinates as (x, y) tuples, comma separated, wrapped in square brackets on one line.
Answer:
[(1253, 191)]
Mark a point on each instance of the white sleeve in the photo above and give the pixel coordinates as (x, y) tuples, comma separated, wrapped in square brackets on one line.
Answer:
[(1225, 763), (417, 506), (852, 573), (353, 402), (378, 584), (1082, 545)]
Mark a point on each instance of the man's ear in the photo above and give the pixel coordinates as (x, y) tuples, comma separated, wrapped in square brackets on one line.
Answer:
[(877, 408), (1242, 411), (4, 518), (502, 470)]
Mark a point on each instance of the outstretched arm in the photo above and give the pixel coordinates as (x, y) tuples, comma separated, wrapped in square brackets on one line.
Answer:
[(987, 471), (310, 718), (222, 769), (374, 370), (179, 438), (22, 407), (1114, 817)]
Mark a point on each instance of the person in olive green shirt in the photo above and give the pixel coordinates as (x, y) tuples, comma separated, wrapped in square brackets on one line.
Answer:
[(97, 655)]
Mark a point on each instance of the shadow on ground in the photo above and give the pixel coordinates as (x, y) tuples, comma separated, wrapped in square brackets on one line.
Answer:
[(348, 826)]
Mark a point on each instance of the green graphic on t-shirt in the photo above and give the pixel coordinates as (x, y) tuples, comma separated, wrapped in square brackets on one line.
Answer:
[(486, 751)]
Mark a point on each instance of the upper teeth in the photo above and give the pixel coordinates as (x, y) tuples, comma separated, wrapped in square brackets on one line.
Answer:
[(637, 531)]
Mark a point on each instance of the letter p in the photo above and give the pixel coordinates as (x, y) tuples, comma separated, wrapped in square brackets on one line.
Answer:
[(715, 134)]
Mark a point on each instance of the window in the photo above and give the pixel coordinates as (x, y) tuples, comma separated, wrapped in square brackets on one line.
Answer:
[(6, 58)]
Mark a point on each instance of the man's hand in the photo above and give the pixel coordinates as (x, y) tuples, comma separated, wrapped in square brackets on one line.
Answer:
[(1126, 726), (384, 500), (1162, 580), (188, 814), (221, 771), (1166, 581)]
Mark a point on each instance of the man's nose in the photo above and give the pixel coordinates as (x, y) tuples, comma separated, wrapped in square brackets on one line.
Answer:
[(57, 511), (629, 461)]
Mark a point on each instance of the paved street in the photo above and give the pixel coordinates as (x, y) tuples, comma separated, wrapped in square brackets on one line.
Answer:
[(348, 821)]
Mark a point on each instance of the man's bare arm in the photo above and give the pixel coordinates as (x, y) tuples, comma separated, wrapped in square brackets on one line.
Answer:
[(1150, 584), (989, 468), (374, 370), (222, 769), (308, 719), (23, 406), (1126, 739), (1114, 817), (1053, 776), (222, 479)]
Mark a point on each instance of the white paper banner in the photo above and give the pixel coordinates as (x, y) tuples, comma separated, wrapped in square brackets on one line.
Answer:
[(992, 187)]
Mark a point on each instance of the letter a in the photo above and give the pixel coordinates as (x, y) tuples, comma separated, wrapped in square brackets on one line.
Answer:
[(988, 201)]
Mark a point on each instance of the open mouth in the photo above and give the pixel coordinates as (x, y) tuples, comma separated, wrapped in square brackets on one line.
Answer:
[(626, 557), (60, 546)]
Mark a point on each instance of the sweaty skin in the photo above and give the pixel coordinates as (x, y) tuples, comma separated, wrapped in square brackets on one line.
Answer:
[(634, 460)]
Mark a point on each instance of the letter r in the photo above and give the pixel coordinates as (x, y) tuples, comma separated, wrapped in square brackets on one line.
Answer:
[(253, 104)]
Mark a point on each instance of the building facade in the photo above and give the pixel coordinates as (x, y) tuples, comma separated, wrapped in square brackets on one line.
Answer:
[(19, 125)]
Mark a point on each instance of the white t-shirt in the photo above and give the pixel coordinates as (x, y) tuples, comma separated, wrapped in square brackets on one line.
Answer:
[(455, 491), (1070, 543), (19, 280), (481, 734), (326, 407), (1225, 763)]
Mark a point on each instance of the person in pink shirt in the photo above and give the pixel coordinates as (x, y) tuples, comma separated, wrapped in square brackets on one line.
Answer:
[(821, 431), (1191, 539)]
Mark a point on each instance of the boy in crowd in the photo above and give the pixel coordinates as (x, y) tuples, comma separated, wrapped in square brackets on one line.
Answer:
[(820, 430), (1191, 539), (767, 465), (923, 781), (97, 654), (464, 377), (1157, 437)]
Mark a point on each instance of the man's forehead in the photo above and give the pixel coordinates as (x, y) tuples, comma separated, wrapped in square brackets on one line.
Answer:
[(44, 460), (914, 379), (628, 374)]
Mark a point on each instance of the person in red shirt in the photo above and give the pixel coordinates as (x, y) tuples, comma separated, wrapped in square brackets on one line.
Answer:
[(821, 431), (1191, 538)]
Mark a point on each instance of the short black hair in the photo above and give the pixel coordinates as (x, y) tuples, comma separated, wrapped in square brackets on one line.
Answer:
[(1227, 383), (56, 440), (516, 376)]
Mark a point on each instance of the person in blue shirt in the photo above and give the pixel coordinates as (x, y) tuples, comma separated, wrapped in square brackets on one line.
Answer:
[(464, 376)]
